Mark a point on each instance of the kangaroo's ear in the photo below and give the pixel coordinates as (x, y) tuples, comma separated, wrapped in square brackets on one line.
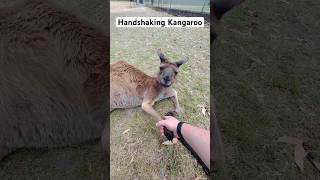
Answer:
[(179, 63), (161, 56)]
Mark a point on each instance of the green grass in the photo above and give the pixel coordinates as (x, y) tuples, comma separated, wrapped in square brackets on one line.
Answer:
[(266, 86), (76, 162)]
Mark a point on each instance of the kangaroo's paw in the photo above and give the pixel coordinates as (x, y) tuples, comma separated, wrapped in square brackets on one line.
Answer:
[(171, 113), (168, 143), (175, 140), (179, 111)]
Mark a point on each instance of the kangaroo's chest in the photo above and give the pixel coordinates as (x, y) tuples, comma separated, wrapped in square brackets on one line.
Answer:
[(162, 95), (126, 97), (126, 101)]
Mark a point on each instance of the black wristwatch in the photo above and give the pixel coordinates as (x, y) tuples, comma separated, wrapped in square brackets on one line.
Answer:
[(179, 126)]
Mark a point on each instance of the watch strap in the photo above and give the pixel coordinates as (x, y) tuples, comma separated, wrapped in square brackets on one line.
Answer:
[(179, 126)]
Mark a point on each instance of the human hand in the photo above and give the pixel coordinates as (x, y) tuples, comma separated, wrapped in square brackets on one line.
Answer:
[(170, 123)]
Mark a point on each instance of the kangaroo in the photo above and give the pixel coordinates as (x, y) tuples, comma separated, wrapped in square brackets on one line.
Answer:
[(130, 87), (53, 77)]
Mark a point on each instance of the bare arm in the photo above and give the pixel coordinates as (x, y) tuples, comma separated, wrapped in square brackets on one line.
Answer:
[(197, 138)]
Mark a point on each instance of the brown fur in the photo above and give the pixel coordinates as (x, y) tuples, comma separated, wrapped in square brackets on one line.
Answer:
[(131, 87), (53, 77)]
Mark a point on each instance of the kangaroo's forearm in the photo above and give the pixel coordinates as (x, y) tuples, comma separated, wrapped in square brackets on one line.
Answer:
[(149, 109)]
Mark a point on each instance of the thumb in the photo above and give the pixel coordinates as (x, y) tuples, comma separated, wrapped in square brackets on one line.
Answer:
[(161, 123)]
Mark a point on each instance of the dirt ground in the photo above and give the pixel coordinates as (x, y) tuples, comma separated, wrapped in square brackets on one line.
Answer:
[(266, 84), (136, 149)]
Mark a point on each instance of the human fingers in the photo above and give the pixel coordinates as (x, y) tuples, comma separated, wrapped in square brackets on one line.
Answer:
[(161, 123)]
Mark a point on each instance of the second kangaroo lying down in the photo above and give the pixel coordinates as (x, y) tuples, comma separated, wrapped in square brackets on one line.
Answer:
[(130, 87)]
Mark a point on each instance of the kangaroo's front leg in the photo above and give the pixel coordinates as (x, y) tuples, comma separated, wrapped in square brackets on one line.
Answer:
[(147, 107), (174, 96)]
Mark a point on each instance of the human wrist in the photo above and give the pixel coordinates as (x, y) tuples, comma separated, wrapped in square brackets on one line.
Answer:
[(180, 126)]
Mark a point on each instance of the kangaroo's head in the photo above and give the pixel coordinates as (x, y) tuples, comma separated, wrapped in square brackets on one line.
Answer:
[(168, 70)]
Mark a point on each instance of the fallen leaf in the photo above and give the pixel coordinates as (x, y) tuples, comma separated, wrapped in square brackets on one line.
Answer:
[(299, 156), (131, 160), (204, 110), (126, 131), (299, 152)]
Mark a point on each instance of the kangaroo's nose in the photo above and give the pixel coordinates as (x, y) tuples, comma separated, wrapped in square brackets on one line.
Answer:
[(166, 78)]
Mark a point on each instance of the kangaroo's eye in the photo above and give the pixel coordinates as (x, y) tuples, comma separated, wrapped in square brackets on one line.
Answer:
[(176, 72), (161, 68)]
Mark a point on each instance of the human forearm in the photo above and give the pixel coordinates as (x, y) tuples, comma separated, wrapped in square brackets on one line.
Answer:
[(199, 140)]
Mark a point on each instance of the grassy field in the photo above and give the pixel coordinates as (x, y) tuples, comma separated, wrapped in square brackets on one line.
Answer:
[(135, 143), (266, 84), (84, 161), (194, 8)]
